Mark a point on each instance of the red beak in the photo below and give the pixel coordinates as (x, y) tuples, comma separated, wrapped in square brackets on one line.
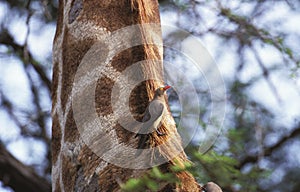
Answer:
[(167, 87)]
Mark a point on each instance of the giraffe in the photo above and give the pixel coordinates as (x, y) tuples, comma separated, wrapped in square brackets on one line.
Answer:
[(82, 24)]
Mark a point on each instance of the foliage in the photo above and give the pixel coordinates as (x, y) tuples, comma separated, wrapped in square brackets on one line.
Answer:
[(222, 169), (150, 181)]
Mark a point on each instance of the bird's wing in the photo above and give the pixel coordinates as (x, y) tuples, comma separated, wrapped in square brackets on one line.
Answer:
[(156, 109), (152, 116), (142, 144), (146, 118), (147, 115)]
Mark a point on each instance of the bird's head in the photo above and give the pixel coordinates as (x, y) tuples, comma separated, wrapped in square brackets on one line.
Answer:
[(161, 90)]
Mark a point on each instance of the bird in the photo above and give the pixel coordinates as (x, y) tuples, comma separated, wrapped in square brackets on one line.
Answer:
[(211, 187), (152, 118)]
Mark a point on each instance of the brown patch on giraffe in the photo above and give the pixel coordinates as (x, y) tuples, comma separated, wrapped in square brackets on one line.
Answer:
[(56, 138), (73, 52), (69, 170), (110, 175), (128, 57), (125, 16), (88, 160), (123, 134), (103, 96), (71, 132), (76, 7), (83, 185), (147, 12), (138, 94)]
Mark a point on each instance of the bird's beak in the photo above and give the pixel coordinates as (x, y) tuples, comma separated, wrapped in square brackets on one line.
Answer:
[(167, 87)]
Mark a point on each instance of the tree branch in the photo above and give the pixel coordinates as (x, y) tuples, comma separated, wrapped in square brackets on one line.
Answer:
[(269, 150), (18, 176), (25, 56)]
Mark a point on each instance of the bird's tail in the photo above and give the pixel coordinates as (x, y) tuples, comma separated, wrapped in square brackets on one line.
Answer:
[(142, 144)]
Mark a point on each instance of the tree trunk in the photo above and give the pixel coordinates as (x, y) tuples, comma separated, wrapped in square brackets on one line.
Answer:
[(103, 77)]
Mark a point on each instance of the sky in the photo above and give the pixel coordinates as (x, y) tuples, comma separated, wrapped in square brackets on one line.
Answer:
[(288, 88), (16, 86)]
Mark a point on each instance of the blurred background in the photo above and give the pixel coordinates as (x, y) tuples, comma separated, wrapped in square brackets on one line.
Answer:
[(256, 47)]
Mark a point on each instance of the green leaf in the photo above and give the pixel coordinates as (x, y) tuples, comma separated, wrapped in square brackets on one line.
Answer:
[(152, 185), (132, 184)]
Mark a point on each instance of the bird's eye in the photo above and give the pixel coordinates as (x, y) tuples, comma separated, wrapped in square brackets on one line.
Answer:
[(161, 88)]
